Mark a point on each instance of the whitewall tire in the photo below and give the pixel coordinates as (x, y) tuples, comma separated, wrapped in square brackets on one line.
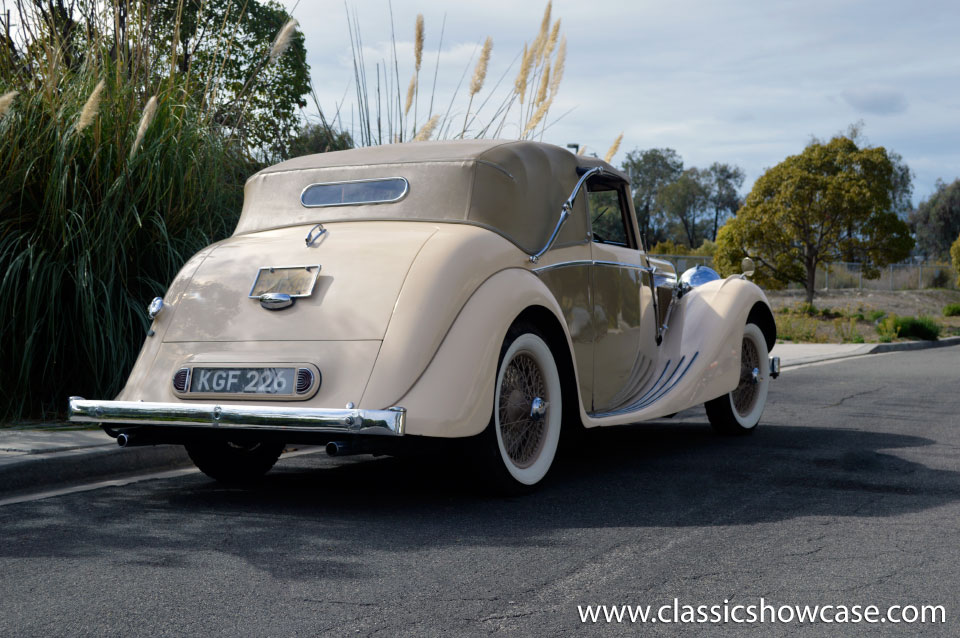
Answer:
[(739, 411), (527, 411)]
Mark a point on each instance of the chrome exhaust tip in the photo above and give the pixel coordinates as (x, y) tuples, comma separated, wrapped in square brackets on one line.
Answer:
[(123, 440), (774, 367)]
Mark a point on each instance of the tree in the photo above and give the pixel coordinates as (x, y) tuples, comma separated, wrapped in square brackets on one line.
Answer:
[(649, 172), (231, 41), (834, 199), (686, 201), (725, 181), (936, 221), (318, 137), (955, 256)]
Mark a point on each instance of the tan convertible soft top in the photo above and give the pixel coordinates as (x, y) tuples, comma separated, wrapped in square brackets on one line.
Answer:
[(513, 188)]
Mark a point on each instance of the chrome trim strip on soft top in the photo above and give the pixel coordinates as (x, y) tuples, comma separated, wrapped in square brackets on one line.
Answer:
[(239, 417)]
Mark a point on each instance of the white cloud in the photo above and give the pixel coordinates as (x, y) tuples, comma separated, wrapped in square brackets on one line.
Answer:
[(746, 83)]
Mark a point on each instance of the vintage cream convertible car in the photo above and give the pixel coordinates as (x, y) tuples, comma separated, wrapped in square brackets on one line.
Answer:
[(379, 298)]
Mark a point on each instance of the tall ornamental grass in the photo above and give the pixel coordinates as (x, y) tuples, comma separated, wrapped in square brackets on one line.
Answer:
[(112, 174)]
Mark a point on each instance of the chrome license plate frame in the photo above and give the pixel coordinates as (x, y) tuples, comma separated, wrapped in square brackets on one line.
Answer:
[(294, 281)]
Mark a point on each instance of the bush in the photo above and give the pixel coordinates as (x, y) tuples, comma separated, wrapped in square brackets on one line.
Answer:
[(798, 328), (876, 315), (112, 174), (951, 310), (894, 327), (955, 257)]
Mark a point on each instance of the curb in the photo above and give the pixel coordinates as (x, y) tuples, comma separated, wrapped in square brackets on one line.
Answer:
[(878, 348), (32, 471)]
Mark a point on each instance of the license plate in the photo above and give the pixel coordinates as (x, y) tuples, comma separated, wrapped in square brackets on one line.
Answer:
[(296, 281), (243, 380)]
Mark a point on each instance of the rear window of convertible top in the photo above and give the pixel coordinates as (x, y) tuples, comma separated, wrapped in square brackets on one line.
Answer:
[(368, 191)]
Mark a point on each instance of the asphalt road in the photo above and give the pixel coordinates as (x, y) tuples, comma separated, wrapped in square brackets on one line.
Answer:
[(849, 493)]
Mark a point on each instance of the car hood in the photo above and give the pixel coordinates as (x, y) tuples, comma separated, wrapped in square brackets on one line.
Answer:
[(362, 269)]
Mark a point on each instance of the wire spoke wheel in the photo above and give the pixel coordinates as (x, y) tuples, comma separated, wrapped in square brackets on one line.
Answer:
[(522, 431), (745, 396), (527, 411)]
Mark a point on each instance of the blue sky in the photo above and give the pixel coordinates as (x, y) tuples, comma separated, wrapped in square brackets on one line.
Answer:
[(747, 83)]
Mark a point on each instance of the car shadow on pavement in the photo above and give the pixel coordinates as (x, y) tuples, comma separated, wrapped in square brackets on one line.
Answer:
[(321, 513)]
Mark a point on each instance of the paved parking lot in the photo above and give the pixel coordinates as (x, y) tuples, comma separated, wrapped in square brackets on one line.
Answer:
[(847, 495)]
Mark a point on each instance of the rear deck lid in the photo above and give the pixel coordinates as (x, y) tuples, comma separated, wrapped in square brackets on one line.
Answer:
[(362, 268)]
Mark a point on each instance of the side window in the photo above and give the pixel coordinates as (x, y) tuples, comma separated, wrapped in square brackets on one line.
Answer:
[(607, 212)]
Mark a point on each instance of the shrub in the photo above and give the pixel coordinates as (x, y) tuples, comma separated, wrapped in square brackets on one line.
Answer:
[(894, 327), (951, 310), (876, 315), (847, 331), (798, 328), (955, 257), (113, 172)]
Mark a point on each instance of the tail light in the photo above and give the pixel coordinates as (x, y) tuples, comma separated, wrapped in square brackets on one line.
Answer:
[(304, 380), (181, 379)]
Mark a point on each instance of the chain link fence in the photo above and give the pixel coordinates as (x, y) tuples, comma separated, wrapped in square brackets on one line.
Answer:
[(844, 275)]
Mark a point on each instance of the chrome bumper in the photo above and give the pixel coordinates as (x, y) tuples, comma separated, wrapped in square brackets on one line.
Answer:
[(239, 417)]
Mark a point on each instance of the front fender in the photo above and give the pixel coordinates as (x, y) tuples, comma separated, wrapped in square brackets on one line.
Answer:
[(454, 395)]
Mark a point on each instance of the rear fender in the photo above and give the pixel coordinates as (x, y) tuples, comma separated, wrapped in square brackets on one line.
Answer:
[(454, 395)]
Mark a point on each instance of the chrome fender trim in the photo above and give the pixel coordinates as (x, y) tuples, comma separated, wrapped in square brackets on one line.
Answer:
[(389, 422)]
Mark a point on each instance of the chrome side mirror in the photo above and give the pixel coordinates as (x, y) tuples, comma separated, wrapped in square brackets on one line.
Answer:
[(748, 267)]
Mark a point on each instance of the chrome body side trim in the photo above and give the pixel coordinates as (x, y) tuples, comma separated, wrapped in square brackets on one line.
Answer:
[(593, 262), (659, 389), (406, 189), (565, 211), (215, 417)]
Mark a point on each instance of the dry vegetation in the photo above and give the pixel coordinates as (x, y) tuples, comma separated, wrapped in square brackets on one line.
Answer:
[(860, 316)]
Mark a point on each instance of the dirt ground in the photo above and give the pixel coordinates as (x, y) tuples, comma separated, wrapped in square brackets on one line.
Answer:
[(843, 305)]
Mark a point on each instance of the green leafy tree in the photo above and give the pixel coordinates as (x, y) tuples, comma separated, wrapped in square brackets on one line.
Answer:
[(228, 43), (936, 221), (318, 137), (650, 171), (955, 255), (723, 190), (685, 202), (832, 200)]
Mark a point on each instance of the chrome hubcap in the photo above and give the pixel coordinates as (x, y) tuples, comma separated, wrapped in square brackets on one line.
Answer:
[(745, 396), (522, 410)]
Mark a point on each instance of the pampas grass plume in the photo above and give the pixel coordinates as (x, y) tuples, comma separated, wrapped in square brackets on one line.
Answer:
[(520, 86), (544, 83), (552, 40), (148, 114), (6, 100), (558, 65), (90, 108), (284, 38), (410, 91), (480, 73), (418, 42), (613, 149), (540, 44), (537, 116), (427, 129)]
